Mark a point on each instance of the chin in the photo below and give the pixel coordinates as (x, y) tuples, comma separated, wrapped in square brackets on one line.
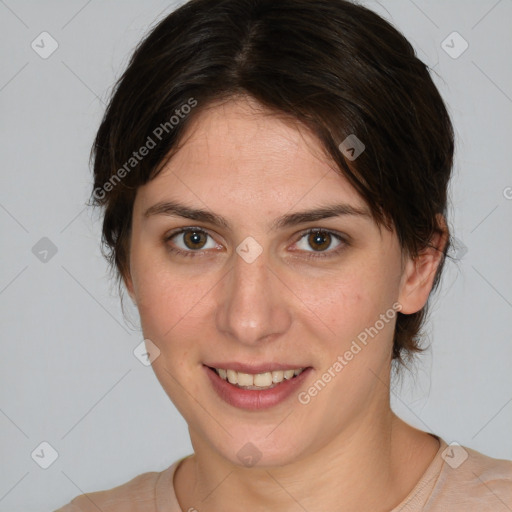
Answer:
[(256, 448)]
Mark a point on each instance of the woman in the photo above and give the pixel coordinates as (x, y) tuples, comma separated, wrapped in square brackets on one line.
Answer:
[(274, 177)]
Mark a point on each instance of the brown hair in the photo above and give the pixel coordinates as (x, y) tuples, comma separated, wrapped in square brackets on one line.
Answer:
[(335, 66)]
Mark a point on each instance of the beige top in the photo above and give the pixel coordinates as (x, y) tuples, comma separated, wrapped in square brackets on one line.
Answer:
[(458, 479)]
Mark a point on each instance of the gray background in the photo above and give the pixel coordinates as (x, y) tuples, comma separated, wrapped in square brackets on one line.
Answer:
[(68, 373)]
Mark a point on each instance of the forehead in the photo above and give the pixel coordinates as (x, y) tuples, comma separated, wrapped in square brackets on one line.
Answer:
[(240, 152)]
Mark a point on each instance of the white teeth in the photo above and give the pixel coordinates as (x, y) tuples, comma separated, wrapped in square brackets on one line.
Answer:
[(260, 380), (232, 376), (244, 379), (277, 376), (263, 380)]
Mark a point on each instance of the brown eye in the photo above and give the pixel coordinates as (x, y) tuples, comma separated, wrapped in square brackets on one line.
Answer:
[(190, 241), (319, 240), (321, 243), (194, 239)]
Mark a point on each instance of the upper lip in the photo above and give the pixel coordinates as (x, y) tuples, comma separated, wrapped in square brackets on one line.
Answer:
[(255, 368)]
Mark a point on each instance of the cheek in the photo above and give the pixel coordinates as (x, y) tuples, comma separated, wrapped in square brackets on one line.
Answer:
[(339, 302), (170, 314), (344, 312), (167, 303)]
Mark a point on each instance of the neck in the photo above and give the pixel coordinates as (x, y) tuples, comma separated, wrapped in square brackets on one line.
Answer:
[(365, 468)]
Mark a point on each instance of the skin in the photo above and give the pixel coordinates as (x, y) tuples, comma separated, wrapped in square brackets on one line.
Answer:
[(346, 448)]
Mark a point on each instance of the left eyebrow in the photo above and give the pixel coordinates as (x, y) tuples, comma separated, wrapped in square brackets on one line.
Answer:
[(175, 209), (335, 210)]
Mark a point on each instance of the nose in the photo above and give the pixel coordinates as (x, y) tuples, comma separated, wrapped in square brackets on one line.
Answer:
[(253, 304)]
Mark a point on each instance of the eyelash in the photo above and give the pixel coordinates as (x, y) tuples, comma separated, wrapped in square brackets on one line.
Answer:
[(312, 255)]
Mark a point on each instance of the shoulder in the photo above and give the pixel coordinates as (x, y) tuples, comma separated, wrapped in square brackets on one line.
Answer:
[(136, 495), (473, 479)]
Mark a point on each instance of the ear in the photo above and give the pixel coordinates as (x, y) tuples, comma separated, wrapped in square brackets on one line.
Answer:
[(129, 287), (418, 273)]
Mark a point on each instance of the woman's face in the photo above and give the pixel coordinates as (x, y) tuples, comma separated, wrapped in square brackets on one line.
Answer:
[(258, 290)]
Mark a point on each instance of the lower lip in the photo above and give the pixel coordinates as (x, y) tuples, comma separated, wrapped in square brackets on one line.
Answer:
[(254, 399)]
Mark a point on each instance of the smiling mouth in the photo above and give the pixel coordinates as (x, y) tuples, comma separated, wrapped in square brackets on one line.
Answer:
[(258, 381)]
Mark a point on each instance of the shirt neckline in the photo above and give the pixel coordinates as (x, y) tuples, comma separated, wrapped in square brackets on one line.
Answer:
[(421, 492)]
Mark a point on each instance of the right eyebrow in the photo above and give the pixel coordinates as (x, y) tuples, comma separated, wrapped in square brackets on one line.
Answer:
[(175, 209)]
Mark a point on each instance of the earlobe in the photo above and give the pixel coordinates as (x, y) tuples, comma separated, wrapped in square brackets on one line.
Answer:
[(419, 273)]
